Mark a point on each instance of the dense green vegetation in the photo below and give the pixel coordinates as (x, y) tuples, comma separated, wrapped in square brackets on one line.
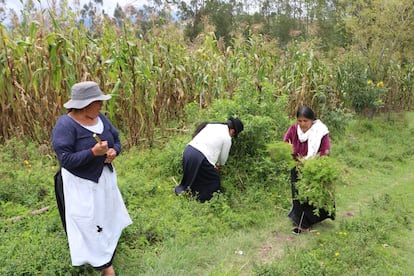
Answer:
[(243, 231), (352, 62), (155, 72)]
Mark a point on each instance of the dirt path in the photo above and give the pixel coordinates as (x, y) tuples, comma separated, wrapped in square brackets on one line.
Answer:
[(352, 198)]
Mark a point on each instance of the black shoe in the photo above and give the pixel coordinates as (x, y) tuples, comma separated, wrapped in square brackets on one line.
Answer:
[(297, 230)]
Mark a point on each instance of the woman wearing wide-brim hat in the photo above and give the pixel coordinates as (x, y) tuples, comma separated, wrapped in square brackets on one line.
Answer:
[(92, 210), (204, 156)]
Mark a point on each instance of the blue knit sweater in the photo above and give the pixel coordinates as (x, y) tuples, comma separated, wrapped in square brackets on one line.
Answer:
[(72, 144)]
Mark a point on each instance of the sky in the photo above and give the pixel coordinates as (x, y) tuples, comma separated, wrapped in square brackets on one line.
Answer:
[(108, 5)]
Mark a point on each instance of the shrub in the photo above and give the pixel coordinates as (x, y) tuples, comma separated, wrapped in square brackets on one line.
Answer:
[(359, 91), (316, 184), (281, 154)]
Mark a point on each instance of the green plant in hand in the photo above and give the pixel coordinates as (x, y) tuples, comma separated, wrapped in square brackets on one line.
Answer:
[(281, 154), (316, 183)]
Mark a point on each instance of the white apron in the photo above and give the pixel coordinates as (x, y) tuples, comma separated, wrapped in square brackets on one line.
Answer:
[(95, 216)]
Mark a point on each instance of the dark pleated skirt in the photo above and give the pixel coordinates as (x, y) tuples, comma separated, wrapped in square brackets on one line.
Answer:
[(60, 199), (199, 176), (302, 214)]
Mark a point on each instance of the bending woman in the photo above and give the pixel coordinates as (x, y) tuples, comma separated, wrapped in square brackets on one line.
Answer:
[(204, 156), (309, 138)]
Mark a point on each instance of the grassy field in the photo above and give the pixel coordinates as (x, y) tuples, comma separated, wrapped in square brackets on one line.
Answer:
[(243, 232), (372, 234)]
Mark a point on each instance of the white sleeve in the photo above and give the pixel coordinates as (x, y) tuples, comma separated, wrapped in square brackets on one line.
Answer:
[(225, 149)]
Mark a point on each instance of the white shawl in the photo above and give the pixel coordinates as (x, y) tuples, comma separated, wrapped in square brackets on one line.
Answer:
[(314, 137)]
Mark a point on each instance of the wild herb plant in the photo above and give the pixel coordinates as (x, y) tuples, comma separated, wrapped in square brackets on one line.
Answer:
[(317, 178), (281, 154)]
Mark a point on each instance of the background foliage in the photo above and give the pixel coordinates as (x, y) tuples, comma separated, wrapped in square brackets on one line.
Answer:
[(154, 72), (346, 60)]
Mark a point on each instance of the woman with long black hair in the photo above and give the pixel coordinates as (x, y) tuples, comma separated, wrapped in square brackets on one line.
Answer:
[(309, 138)]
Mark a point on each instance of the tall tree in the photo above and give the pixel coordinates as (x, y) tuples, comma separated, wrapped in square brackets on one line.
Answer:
[(2, 10), (221, 15), (91, 14), (193, 13), (382, 30), (119, 15), (323, 21)]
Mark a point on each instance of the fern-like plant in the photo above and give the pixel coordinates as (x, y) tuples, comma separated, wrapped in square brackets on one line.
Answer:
[(316, 183)]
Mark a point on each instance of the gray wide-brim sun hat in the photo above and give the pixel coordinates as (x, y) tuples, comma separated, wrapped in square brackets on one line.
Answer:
[(84, 93)]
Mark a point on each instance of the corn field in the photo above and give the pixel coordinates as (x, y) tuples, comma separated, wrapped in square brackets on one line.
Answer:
[(153, 77)]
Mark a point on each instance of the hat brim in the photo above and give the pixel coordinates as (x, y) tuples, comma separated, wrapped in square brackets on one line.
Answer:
[(79, 104), (236, 130)]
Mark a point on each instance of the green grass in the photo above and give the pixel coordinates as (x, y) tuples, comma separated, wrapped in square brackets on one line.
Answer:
[(243, 232), (373, 232)]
